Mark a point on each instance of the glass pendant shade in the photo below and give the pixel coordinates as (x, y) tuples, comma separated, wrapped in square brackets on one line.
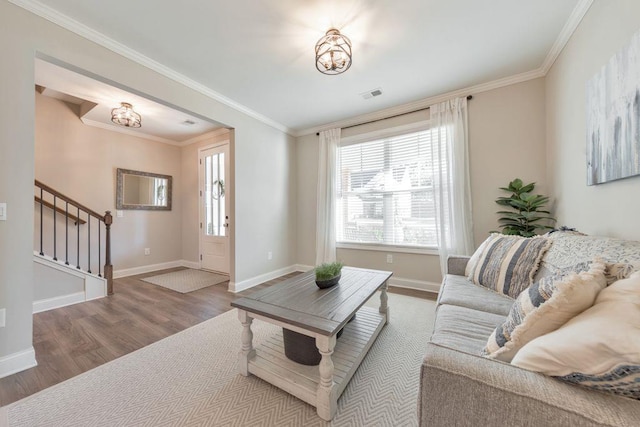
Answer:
[(333, 53), (125, 116)]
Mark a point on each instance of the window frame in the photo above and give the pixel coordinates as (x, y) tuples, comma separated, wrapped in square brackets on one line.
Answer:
[(364, 137)]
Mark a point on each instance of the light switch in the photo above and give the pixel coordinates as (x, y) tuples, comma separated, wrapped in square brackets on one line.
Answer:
[(3, 211), (119, 214)]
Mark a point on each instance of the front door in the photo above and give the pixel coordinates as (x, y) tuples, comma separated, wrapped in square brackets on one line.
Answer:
[(214, 208)]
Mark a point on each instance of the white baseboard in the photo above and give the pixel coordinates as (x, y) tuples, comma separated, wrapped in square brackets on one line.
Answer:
[(419, 285), (57, 302), (249, 283), (399, 282), (117, 274), (17, 362), (190, 264)]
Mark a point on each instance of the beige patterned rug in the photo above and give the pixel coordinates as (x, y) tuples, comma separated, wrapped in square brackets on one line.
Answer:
[(187, 280), (191, 378)]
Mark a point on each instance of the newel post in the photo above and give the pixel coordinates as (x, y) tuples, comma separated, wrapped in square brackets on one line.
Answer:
[(108, 268)]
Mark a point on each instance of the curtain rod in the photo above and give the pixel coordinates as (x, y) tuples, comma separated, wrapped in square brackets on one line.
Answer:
[(390, 117)]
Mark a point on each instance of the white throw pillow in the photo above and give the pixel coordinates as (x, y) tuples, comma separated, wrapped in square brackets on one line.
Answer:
[(544, 307), (599, 348)]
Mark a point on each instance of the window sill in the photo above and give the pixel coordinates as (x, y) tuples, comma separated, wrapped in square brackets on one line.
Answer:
[(387, 248)]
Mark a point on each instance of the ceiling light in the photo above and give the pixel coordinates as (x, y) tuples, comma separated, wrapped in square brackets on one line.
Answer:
[(125, 116), (333, 53)]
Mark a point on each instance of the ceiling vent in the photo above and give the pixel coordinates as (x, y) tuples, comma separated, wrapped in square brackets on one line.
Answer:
[(372, 93), (188, 122)]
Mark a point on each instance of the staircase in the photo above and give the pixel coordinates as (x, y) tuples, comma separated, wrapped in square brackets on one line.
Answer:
[(72, 250)]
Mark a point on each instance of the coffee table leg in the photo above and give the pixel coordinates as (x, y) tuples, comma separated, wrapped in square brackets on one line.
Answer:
[(384, 308), (247, 351), (326, 400)]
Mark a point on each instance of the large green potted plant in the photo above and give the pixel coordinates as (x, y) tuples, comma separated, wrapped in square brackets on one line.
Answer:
[(527, 215)]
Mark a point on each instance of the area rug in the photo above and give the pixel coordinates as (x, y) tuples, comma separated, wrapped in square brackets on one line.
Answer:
[(191, 378), (187, 280)]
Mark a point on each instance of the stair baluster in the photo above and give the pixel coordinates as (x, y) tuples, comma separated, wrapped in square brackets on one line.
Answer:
[(105, 220)]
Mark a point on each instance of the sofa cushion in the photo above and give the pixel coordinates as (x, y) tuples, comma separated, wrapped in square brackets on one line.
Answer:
[(463, 329), (599, 348), (507, 264), (569, 248), (543, 308), (460, 389), (457, 290)]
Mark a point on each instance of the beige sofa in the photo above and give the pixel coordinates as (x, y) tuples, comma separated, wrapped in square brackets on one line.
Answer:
[(458, 387)]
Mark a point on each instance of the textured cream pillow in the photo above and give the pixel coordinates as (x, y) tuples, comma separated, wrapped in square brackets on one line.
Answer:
[(599, 348), (544, 307)]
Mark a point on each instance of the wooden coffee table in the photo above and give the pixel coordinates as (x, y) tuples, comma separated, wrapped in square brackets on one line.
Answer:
[(299, 305)]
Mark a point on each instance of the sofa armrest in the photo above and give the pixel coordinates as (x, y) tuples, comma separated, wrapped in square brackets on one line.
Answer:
[(456, 264), (457, 387)]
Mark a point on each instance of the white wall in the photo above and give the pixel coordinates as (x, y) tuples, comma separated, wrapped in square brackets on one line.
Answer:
[(612, 208), (506, 139), (264, 156)]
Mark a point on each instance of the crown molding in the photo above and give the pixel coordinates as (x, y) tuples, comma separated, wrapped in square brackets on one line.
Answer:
[(88, 33), (567, 31), (426, 102), (129, 132)]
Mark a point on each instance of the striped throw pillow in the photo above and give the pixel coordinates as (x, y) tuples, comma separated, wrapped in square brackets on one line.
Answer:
[(507, 264), (544, 307)]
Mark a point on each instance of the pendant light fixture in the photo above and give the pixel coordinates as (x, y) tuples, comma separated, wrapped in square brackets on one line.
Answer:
[(333, 53), (125, 116)]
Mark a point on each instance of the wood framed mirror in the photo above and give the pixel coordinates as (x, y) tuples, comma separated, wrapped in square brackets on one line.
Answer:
[(143, 190)]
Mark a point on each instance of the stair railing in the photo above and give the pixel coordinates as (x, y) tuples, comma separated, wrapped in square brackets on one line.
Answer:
[(70, 210)]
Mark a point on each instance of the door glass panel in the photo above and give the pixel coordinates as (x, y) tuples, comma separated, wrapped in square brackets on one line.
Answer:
[(214, 196)]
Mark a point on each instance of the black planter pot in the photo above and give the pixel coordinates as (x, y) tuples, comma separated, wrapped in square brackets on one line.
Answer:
[(323, 284), (302, 348)]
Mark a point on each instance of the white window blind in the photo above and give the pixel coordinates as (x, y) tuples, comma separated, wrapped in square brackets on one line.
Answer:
[(385, 191)]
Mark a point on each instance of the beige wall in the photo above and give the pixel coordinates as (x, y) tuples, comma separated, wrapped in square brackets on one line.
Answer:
[(612, 208), (81, 161), (506, 139), (264, 181)]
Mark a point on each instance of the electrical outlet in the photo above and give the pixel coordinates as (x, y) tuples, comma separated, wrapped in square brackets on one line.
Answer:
[(147, 251), (3, 317), (119, 213), (269, 255), (389, 259)]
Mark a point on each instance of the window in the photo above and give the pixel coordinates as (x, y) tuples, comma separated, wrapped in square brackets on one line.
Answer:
[(385, 191)]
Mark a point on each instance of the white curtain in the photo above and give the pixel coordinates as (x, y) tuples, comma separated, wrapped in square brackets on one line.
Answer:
[(452, 188), (326, 197)]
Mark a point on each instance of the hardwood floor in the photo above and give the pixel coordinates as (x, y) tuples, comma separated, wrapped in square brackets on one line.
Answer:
[(71, 340)]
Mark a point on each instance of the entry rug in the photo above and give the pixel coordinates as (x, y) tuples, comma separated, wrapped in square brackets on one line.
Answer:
[(191, 379), (187, 280)]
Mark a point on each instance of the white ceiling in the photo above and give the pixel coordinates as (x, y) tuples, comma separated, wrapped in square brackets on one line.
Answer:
[(159, 122), (260, 53)]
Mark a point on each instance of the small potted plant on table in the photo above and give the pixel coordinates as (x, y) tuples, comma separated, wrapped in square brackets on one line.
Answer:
[(328, 274)]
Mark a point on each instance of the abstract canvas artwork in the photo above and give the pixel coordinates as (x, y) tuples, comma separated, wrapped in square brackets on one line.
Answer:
[(613, 117)]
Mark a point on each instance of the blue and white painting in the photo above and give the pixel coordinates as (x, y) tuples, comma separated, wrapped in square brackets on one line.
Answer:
[(613, 117)]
